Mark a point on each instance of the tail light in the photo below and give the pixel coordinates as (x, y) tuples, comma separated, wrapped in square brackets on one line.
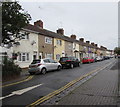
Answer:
[(68, 60), (39, 64)]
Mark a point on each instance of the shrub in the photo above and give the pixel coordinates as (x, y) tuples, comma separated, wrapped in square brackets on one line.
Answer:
[(9, 69)]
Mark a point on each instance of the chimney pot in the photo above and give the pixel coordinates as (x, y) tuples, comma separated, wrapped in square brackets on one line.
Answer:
[(60, 31), (96, 45), (88, 42)]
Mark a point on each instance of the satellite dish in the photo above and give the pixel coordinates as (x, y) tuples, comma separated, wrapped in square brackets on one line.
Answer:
[(33, 42)]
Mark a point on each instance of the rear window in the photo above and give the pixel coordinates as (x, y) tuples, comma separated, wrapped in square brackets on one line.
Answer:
[(66, 58), (36, 61), (85, 58)]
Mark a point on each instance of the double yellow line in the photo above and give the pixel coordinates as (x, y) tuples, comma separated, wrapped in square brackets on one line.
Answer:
[(27, 79), (39, 101)]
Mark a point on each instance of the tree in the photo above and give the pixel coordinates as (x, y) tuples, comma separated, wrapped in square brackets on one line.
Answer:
[(14, 18), (117, 50)]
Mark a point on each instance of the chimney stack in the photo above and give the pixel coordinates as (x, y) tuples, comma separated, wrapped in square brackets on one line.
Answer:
[(39, 24), (92, 44), (96, 45), (81, 39), (60, 31), (88, 42), (101, 47), (73, 36)]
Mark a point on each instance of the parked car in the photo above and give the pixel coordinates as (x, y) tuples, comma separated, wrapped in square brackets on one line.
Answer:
[(43, 65), (95, 59), (99, 58), (92, 59), (106, 57), (118, 56), (69, 62), (87, 60)]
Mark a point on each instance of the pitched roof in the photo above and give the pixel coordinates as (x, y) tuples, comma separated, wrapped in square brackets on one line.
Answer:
[(47, 32), (55, 35)]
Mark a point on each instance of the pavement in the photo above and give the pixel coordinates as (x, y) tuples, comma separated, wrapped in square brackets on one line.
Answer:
[(101, 89)]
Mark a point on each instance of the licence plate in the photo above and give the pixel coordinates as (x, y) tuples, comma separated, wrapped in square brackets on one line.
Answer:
[(62, 63)]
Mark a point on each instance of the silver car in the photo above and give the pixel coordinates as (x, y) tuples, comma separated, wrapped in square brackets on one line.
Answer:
[(43, 65)]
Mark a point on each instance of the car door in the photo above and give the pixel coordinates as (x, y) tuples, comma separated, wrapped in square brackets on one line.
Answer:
[(74, 61), (47, 64), (77, 61), (53, 65)]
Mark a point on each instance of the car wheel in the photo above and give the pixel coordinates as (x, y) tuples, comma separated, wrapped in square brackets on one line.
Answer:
[(71, 66), (43, 71), (59, 68), (62, 67), (78, 64), (31, 73)]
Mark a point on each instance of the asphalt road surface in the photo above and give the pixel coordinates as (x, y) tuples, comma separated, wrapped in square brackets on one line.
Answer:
[(40, 85)]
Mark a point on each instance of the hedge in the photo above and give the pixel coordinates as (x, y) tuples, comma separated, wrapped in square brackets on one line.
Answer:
[(9, 69)]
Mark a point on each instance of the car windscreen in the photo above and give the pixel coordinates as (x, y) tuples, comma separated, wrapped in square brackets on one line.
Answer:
[(64, 59), (36, 61)]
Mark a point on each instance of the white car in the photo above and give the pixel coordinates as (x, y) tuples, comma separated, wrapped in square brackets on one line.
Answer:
[(99, 58), (43, 65)]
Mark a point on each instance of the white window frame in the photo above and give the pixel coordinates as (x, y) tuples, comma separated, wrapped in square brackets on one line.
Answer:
[(26, 37), (49, 55), (70, 46), (59, 42), (57, 56), (24, 54), (74, 46), (48, 40)]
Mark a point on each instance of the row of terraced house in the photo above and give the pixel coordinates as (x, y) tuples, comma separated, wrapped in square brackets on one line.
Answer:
[(41, 43)]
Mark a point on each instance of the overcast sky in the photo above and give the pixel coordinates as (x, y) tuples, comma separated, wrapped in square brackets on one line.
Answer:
[(94, 21)]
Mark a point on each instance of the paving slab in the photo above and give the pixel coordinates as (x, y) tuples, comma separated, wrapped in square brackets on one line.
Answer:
[(102, 89)]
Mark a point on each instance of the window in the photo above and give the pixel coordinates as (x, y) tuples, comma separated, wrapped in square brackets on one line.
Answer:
[(49, 56), (27, 56), (48, 40), (59, 42), (36, 61), (58, 56), (51, 61), (70, 46), (19, 56), (23, 57), (84, 48), (74, 45), (26, 36), (46, 61), (14, 56)]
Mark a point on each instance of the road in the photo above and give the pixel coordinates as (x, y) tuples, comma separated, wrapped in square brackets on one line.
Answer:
[(30, 91)]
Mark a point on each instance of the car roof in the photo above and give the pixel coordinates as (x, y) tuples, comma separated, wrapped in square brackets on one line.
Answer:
[(68, 57), (46, 58)]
